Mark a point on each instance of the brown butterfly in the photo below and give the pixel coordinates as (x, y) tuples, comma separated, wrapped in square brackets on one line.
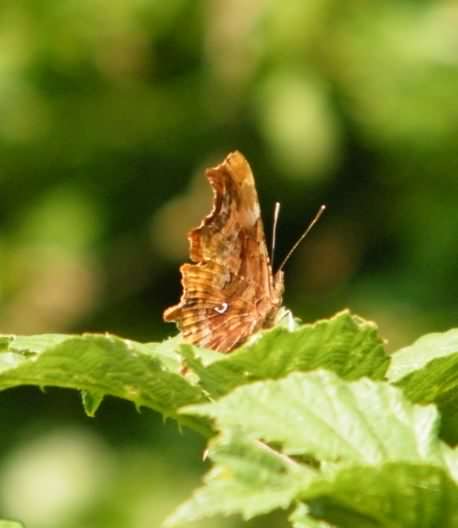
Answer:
[(230, 291)]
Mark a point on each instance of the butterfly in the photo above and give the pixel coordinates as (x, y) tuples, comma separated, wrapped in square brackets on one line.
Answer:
[(229, 290)]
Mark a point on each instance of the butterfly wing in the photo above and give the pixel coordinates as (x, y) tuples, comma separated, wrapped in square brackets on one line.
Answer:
[(229, 291)]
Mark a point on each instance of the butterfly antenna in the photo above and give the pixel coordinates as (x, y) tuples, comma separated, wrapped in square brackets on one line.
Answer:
[(301, 238), (274, 231)]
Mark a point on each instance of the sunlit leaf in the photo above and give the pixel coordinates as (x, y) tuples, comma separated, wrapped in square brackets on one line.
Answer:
[(392, 495), (91, 401), (301, 518), (100, 365), (248, 478), (427, 371), (427, 348), (337, 444), (321, 415), (345, 344)]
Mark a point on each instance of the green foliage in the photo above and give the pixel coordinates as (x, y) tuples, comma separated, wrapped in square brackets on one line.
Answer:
[(99, 365), (301, 420), (348, 449), (248, 478), (400, 494), (345, 344), (319, 415), (427, 371)]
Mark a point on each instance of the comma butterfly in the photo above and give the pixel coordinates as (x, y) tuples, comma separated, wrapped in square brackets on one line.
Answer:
[(230, 290)]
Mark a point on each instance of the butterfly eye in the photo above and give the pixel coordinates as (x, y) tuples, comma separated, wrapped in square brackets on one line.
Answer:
[(222, 308)]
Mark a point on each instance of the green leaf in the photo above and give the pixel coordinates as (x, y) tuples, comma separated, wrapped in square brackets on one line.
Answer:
[(100, 365), (249, 478), (10, 360), (153, 375), (5, 342), (345, 344), (301, 518), (166, 352), (330, 443), (318, 414), (35, 343), (91, 401), (393, 495), (14, 349), (10, 524), (427, 371), (416, 357)]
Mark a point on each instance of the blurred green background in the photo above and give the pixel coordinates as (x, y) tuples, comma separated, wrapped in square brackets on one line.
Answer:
[(109, 113)]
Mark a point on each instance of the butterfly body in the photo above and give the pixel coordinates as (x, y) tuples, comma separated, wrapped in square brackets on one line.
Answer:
[(229, 291)]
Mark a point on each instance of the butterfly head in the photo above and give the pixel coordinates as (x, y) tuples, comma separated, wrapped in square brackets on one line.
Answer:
[(279, 285), (278, 290)]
